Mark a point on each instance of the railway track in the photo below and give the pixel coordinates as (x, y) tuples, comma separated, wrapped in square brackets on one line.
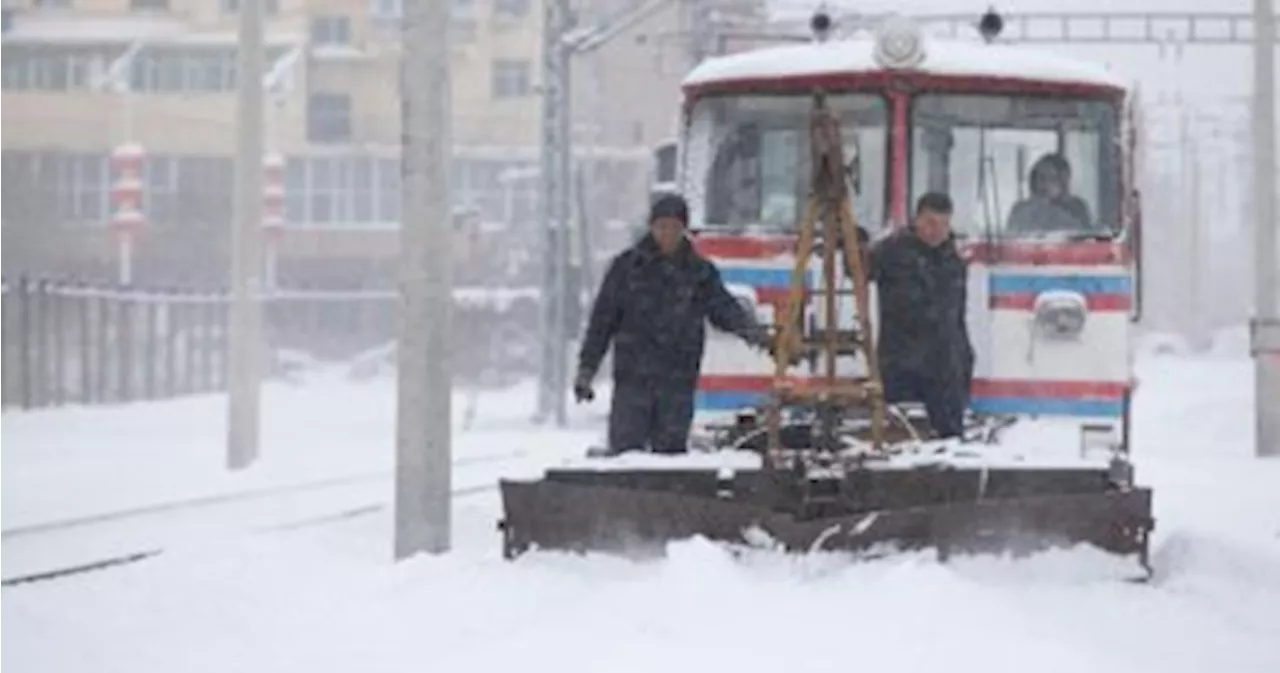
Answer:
[(327, 516), (218, 499)]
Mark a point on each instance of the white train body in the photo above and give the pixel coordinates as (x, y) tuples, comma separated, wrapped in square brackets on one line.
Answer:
[(1049, 314)]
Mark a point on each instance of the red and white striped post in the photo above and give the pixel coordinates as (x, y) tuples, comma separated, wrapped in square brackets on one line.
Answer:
[(127, 218), (272, 212)]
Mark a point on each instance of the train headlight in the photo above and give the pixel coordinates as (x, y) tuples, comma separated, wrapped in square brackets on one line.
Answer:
[(899, 43), (1060, 315)]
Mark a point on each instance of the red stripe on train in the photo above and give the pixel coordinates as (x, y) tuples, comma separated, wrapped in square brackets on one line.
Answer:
[(1025, 301), (1058, 389), (773, 295), (1091, 253), (743, 247)]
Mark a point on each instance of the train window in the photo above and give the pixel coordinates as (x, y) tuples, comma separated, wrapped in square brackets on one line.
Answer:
[(665, 163), (753, 152), (1019, 167)]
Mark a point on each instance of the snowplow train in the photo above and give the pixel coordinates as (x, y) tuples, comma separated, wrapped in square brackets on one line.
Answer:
[(785, 153)]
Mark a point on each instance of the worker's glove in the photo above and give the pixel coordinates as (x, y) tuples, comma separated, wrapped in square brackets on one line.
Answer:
[(770, 341), (582, 391), (759, 338)]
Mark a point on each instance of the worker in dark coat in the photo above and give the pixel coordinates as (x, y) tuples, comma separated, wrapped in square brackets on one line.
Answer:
[(924, 349), (652, 306)]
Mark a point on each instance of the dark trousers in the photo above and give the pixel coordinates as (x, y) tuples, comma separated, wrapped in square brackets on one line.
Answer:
[(944, 401), (650, 417)]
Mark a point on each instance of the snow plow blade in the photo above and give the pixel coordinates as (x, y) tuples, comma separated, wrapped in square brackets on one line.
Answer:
[(951, 511)]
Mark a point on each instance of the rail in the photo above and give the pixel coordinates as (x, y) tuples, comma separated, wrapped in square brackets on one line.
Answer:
[(327, 516)]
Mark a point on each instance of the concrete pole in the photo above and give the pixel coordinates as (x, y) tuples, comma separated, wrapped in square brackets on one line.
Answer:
[(564, 219), (124, 259), (1198, 246), (1186, 226), (701, 30), (423, 395), (546, 187), (245, 317), (124, 252), (271, 124), (555, 159), (1266, 331)]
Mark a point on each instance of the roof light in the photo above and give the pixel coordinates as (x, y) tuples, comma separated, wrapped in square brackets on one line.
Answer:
[(990, 25), (820, 24), (899, 43)]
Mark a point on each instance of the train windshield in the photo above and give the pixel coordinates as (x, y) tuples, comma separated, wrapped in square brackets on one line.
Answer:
[(749, 156), (1019, 167)]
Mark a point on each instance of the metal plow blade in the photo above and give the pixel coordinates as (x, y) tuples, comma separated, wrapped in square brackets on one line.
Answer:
[(561, 515)]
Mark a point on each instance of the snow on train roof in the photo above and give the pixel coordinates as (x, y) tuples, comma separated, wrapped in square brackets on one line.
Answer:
[(942, 57)]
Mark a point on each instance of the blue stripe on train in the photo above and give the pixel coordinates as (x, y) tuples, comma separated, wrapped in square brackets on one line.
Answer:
[(755, 277), (1012, 283), (732, 400), (1047, 406), (728, 400)]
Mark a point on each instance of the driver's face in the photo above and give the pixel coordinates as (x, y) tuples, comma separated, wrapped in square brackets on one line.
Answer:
[(1054, 188), (1052, 185)]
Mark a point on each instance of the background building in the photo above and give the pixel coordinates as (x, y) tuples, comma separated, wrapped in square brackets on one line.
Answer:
[(85, 78)]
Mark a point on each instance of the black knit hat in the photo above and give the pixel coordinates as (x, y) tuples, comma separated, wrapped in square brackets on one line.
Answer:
[(670, 205)]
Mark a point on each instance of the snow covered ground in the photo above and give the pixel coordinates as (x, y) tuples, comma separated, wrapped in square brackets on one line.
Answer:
[(326, 598), (133, 478)]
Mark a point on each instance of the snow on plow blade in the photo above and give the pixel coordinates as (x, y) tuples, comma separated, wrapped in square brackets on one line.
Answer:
[(638, 512)]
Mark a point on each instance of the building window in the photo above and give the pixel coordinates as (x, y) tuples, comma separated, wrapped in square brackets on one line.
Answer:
[(160, 191), (269, 7), (82, 184), (331, 29), (329, 117), (57, 188), (187, 70), (342, 191), (355, 191), (511, 8), (187, 191), (47, 69), (501, 190), (388, 181), (149, 5), (383, 10), (510, 78), (75, 185), (162, 70)]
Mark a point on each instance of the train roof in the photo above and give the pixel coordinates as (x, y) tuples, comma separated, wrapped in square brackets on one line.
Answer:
[(941, 57)]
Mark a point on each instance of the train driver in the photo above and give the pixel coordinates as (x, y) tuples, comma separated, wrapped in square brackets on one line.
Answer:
[(1051, 208)]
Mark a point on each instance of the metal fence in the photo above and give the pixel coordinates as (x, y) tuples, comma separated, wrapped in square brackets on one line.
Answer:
[(69, 343)]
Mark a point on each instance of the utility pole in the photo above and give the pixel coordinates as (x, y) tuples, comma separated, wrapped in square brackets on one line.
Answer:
[(554, 208), (701, 30), (1197, 246), (1192, 322), (423, 451), (246, 310), (563, 196), (1266, 325)]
